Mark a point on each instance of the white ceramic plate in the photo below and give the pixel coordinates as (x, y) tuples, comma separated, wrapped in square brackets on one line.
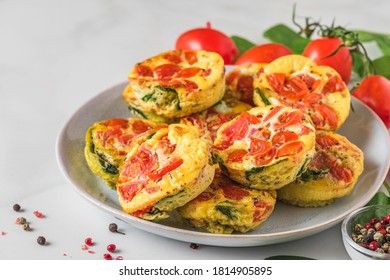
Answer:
[(286, 223)]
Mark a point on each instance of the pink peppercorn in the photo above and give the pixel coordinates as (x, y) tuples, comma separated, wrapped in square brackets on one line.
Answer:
[(88, 241), (373, 245), (111, 248)]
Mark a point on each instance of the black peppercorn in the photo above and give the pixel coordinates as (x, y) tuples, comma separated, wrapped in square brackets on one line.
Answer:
[(41, 240), (16, 207), (194, 246), (114, 228)]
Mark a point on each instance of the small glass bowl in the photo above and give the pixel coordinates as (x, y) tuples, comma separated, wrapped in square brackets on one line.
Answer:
[(354, 250)]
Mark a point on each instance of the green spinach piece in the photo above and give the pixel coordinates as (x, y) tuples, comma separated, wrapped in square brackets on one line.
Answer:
[(312, 174), (227, 210), (265, 99), (163, 97)]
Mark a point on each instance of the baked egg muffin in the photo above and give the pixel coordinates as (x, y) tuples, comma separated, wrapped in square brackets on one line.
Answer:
[(265, 148), (176, 83), (225, 207), (109, 141), (332, 173), (239, 82), (296, 81), (165, 172)]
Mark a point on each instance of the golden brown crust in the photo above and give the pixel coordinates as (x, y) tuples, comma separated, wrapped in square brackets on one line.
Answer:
[(332, 174), (225, 207)]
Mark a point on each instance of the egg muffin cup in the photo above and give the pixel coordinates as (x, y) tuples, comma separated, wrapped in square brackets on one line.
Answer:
[(226, 207), (165, 172), (296, 81), (265, 148), (176, 83), (331, 174)]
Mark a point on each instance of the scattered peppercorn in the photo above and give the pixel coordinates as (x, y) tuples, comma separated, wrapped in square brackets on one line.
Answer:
[(20, 221), (374, 235), (26, 226), (194, 246), (88, 241), (41, 240), (114, 228), (38, 214), (16, 207), (111, 248)]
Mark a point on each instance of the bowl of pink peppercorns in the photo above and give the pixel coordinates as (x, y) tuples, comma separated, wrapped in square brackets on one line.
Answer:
[(366, 233)]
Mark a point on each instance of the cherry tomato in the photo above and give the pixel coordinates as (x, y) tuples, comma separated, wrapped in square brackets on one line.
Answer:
[(374, 91), (289, 149), (259, 146), (234, 192), (236, 155), (264, 53), (172, 165), (319, 49), (341, 173), (208, 39)]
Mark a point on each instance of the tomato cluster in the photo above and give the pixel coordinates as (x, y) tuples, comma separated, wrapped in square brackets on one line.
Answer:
[(374, 90)]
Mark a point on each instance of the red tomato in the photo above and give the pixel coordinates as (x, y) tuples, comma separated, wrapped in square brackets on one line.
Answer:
[(237, 129), (288, 118), (259, 146), (264, 159), (236, 155), (374, 91), (341, 173), (264, 53), (319, 49), (325, 140), (234, 192), (129, 189), (172, 165), (209, 40), (289, 149), (142, 162), (328, 114), (204, 196), (282, 137), (120, 123), (140, 127)]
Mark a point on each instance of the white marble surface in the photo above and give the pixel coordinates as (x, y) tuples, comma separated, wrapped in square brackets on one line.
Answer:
[(55, 55)]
